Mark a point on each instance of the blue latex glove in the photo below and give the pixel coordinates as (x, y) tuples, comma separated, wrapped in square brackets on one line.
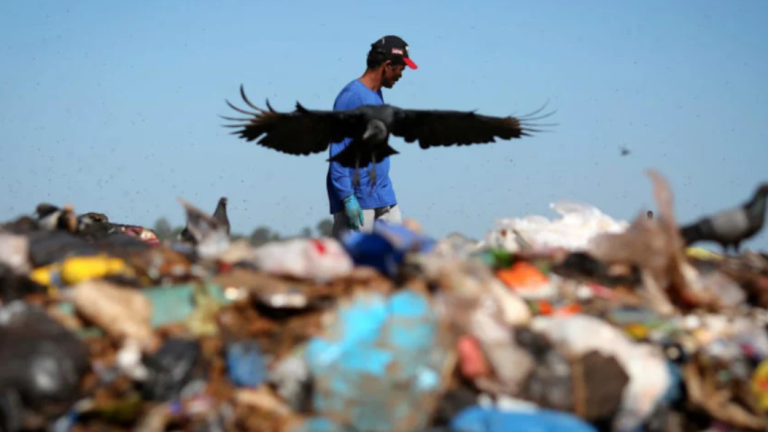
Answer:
[(353, 211)]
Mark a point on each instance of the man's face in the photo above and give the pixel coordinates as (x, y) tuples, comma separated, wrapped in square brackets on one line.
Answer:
[(391, 73)]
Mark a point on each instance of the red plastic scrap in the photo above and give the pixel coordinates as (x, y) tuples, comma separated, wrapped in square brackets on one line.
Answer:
[(471, 358)]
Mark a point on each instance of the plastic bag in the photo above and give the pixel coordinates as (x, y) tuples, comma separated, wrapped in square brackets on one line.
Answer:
[(579, 223), (14, 252), (382, 357), (170, 369), (320, 260), (386, 247), (478, 419), (42, 362)]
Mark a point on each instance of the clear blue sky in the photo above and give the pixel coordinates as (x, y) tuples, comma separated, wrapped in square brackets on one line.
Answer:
[(113, 106)]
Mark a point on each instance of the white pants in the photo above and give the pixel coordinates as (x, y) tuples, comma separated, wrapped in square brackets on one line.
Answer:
[(390, 214)]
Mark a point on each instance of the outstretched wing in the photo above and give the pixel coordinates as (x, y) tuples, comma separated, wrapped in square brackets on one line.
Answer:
[(433, 128), (301, 132)]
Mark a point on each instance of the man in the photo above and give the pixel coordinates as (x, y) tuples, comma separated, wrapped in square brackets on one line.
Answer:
[(359, 207)]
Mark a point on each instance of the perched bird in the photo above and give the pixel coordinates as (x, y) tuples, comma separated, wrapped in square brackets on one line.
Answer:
[(209, 235), (220, 215), (89, 218), (730, 227), (93, 225), (51, 217), (305, 132)]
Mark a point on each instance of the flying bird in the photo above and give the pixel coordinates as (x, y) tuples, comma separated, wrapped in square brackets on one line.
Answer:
[(730, 227), (624, 151), (304, 131)]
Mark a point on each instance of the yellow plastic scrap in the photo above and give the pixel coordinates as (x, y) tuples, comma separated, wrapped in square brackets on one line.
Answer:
[(637, 331), (701, 253), (759, 385), (78, 269), (45, 276)]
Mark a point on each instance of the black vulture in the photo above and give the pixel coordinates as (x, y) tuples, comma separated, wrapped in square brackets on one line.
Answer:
[(305, 132)]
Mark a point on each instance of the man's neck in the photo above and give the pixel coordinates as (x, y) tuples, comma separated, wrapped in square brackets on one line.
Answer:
[(371, 79)]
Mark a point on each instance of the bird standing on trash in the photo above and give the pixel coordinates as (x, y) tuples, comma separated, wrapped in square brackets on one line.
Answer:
[(220, 215), (51, 217), (733, 226), (358, 130)]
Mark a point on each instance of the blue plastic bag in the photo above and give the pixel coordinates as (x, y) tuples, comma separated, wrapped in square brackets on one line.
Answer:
[(478, 419), (378, 363), (245, 363), (385, 248)]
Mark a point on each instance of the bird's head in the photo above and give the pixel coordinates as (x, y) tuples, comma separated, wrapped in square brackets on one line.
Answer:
[(45, 209), (223, 201), (90, 218), (376, 131), (762, 190)]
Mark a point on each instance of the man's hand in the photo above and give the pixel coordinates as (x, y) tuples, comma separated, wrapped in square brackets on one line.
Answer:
[(353, 211)]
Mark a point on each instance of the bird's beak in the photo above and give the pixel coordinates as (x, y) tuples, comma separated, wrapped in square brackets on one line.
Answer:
[(367, 134)]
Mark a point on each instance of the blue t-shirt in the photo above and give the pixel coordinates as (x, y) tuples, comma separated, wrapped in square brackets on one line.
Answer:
[(339, 179)]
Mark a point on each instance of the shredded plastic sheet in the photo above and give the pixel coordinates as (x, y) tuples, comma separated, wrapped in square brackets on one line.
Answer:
[(578, 225)]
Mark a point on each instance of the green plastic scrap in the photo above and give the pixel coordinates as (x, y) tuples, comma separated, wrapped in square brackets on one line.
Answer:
[(178, 302)]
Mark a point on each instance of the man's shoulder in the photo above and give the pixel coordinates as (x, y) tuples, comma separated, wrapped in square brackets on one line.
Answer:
[(351, 91), (353, 95)]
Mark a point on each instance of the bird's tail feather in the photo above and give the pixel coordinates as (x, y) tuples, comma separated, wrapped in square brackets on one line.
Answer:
[(387, 151)]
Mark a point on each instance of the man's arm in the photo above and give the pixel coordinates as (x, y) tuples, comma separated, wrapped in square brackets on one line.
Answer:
[(341, 177)]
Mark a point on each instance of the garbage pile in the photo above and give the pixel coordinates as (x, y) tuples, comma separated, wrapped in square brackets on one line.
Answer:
[(622, 328)]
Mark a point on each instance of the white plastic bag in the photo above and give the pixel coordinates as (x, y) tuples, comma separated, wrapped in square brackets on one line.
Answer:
[(579, 224), (321, 260), (14, 252)]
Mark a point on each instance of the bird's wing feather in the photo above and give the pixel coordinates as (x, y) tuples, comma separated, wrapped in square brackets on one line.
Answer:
[(300, 132), (447, 128)]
